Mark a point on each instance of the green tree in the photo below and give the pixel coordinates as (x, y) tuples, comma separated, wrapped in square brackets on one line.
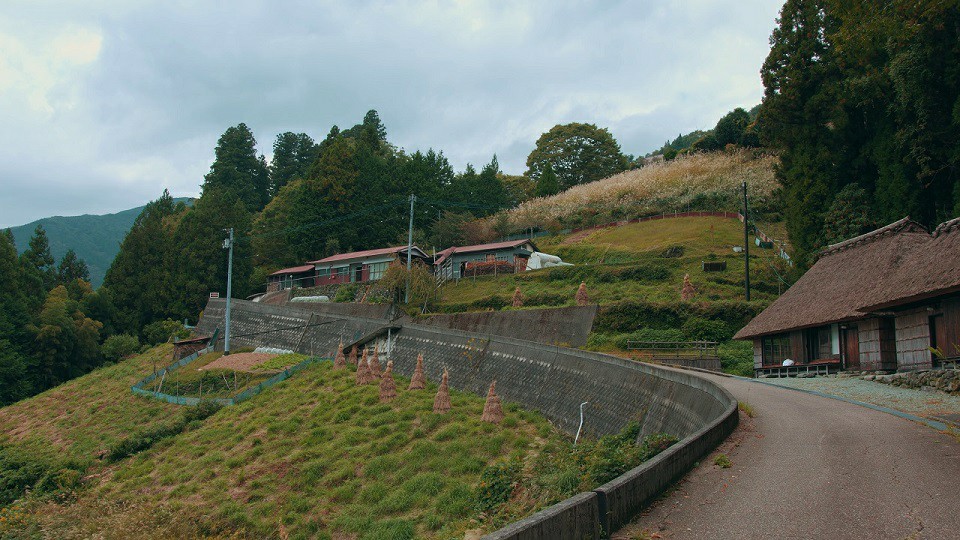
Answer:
[(731, 127), (71, 268), (38, 263), (848, 215), (14, 380), (293, 153), (66, 341), (140, 276), (578, 153), (199, 265), (547, 184), (800, 81), (237, 170)]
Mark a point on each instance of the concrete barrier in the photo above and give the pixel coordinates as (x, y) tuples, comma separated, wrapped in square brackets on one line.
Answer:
[(569, 326), (552, 380), (576, 517)]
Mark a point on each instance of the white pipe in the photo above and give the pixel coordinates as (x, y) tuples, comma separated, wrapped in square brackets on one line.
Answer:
[(577, 438)]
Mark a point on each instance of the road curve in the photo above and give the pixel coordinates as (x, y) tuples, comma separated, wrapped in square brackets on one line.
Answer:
[(812, 467)]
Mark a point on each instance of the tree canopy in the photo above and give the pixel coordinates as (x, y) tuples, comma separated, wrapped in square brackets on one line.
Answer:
[(865, 93), (577, 153)]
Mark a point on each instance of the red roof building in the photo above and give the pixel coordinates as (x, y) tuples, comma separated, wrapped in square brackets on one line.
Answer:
[(362, 266)]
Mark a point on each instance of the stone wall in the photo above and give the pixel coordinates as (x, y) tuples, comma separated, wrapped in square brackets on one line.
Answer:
[(943, 380), (913, 340), (568, 326)]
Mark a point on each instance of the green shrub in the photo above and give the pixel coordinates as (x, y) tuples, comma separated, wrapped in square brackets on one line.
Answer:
[(547, 299), (647, 272), (736, 358), (119, 346), (629, 315), (699, 329), (161, 331), (493, 302), (20, 471), (347, 293), (649, 334), (496, 484), (143, 440)]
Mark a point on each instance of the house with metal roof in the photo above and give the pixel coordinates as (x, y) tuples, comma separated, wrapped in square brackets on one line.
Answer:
[(484, 259), (886, 300), (363, 266), (289, 278)]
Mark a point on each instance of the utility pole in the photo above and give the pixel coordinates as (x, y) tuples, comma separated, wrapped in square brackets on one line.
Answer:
[(406, 297), (228, 244), (746, 242)]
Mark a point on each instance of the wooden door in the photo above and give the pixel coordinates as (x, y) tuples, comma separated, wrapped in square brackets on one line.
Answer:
[(851, 348), (938, 331)]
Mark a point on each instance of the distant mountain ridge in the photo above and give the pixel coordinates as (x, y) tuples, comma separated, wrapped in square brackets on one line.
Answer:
[(95, 238)]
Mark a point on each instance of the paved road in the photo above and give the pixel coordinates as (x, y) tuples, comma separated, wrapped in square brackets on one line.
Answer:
[(812, 467)]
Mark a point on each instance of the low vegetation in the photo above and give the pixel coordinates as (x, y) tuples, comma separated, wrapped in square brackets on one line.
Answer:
[(316, 456), (703, 181)]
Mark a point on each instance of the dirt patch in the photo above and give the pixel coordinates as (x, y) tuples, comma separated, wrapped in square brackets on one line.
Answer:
[(577, 237), (239, 361)]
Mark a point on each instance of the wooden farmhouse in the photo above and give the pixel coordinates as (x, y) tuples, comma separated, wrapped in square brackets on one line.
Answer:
[(887, 300), (484, 259), (289, 278), (363, 266)]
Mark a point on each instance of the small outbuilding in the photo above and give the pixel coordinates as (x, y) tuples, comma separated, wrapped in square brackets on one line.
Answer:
[(484, 259), (292, 278), (887, 300)]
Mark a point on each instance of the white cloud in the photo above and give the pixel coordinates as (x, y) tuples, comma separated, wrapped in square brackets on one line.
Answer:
[(128, 98)]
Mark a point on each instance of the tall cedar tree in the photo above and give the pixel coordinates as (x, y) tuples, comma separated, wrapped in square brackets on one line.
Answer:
[(856, 92), (72, 268), (547, 184), (293, 153), (578, 153), (237, 171), (139, 277), (799, 77), (200, 262), (40, 274)]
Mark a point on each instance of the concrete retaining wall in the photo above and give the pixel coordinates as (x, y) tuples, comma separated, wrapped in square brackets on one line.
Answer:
[(553, 380), (568, 326)]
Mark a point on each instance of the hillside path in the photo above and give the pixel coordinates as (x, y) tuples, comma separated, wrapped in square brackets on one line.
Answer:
[(812, 467)]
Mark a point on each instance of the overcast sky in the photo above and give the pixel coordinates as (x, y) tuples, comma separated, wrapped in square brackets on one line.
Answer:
[(104, 104)]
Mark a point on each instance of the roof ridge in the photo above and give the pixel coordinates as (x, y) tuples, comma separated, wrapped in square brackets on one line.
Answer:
[(947, 226), (895, 227)]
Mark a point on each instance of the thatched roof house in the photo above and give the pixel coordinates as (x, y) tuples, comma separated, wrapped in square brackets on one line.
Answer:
[(875, 302)]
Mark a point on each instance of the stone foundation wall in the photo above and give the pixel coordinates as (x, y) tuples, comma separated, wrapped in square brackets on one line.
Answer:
[(943, 380)]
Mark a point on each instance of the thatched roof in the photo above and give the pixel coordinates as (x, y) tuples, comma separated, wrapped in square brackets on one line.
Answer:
[(890, 266), (934, 270)]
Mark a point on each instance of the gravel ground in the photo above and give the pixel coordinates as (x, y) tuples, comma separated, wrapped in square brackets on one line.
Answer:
[(926, 404)]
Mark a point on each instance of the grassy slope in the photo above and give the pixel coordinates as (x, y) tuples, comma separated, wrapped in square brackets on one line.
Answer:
[(82, 417), (314, 455), (633, 244), (710, 181)]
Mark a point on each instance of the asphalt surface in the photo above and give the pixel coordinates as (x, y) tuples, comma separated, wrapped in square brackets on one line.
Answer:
[(812, 467)]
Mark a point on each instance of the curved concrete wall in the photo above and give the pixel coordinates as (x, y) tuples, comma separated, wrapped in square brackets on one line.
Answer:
[(552, 380)]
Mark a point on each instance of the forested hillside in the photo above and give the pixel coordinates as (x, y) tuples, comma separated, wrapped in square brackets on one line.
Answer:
[(862, 102), (95, 239)]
